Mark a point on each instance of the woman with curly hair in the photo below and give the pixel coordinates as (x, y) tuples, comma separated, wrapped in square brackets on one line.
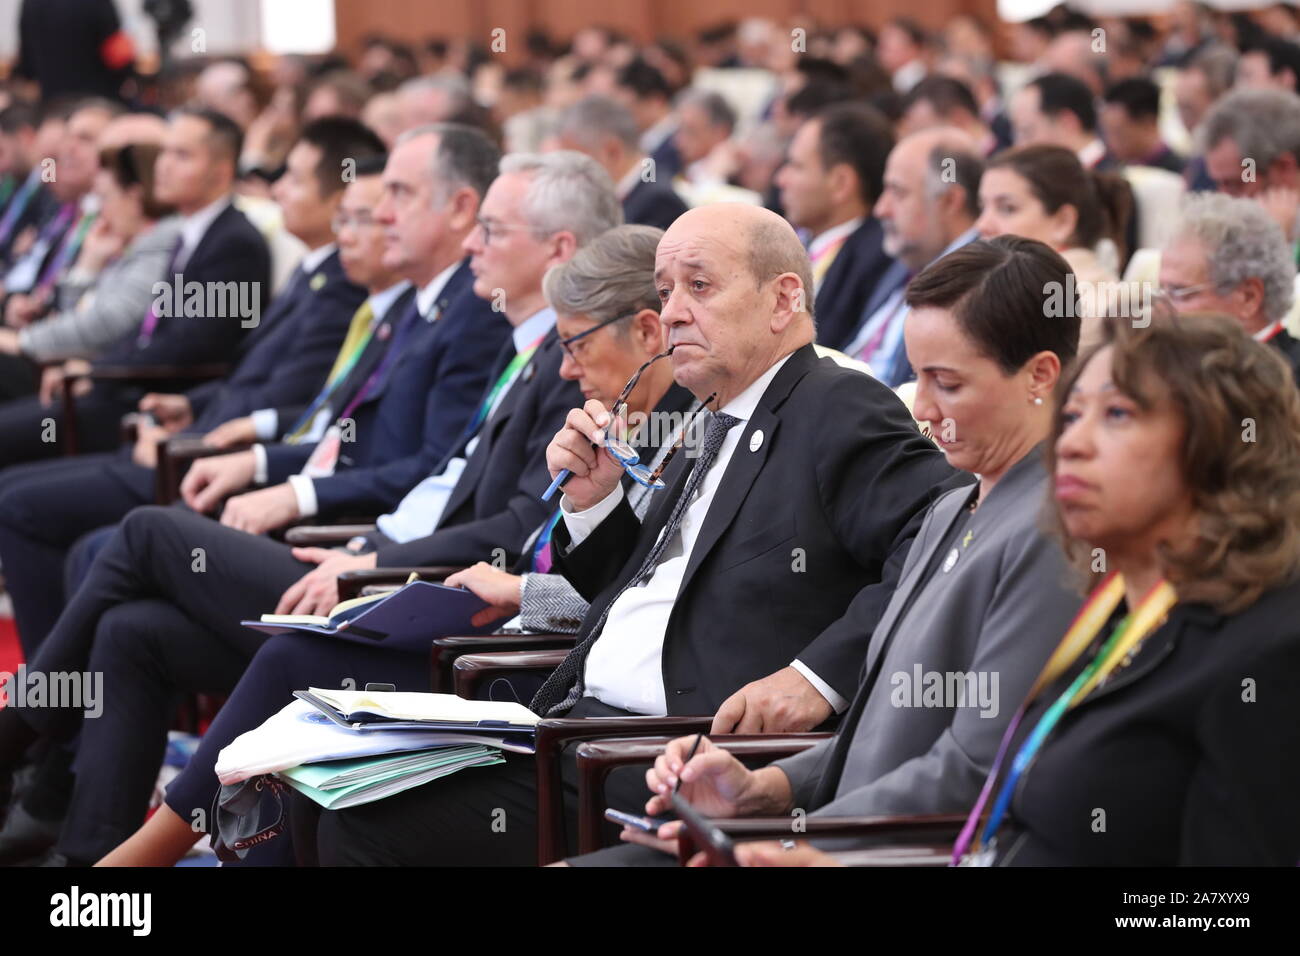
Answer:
[(1165, 729)]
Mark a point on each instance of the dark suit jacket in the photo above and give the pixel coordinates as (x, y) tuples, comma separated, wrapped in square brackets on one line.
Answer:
[(497, 501), (230, 251), (1193, 751), (652, 204), (799, 525), (1287, 344), (858, 267), (415, 415), (286, 358)]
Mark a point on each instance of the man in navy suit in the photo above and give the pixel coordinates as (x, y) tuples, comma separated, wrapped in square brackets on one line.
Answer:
[(606, 131), (219, 253), (414, 406), (46, 506), (829, 183), (485, 495)]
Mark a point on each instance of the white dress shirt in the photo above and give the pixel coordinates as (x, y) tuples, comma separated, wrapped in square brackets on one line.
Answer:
[(420, 511), (625, 666)]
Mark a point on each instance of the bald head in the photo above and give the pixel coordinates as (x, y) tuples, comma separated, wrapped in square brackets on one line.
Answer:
[(736, 289)]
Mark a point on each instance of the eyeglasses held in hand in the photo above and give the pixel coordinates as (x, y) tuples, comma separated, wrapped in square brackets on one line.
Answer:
[(622, 451)]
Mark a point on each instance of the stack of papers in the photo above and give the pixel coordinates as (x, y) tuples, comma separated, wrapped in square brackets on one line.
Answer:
[(345, 748), (350, 783)]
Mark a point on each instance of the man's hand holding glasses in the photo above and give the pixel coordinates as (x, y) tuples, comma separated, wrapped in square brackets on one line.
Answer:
[(579, 447)]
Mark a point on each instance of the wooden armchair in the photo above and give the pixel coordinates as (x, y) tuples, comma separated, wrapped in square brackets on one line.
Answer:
[(879, 840), (163, 377)]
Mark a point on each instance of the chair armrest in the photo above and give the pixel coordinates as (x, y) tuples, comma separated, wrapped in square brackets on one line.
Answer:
[(471, 670), (139, 373), (351, 582), (306, 535), (175, 455), (554, 733), (446, 650), (598, 758), (927, 837)]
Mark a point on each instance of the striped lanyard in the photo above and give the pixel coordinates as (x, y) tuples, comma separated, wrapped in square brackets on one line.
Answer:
[(542, 546), (66, 254), (507, 376), (342, 366), (1120, 646)]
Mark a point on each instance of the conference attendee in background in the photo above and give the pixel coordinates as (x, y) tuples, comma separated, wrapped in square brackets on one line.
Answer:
[(1059, 110), (643, 89), (47, 506), (1184, 724), (28, 134), (1228, 256), (1251, 143), (607, 316), (1044, 193), (984, 590), (830, 182), (414, 406), (607, 132), (1198, 84), (107, 292), (940, 100), (673, 627), (217, 246), (1130, 125), (537, 213), (68, 177), (928, 206)]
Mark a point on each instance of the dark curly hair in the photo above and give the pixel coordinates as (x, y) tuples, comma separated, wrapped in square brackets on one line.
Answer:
[(1246, 492)]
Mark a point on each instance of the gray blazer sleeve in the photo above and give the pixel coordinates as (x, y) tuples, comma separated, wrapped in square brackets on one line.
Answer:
[(1030, 611), (116, 307)]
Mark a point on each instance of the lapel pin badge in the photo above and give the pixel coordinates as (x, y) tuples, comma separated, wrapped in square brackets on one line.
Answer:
[(949, 561), (317, 282), (756, 440)]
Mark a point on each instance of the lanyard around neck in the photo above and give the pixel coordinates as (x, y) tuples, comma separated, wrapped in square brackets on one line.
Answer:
[(1149, 615)]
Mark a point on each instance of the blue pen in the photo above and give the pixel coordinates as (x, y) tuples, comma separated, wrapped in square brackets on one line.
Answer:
[(554, 486)]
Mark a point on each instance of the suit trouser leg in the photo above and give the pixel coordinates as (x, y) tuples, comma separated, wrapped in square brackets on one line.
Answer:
[(211, 573), (19, 377), (30, 432), (148, 653), (44, 508)]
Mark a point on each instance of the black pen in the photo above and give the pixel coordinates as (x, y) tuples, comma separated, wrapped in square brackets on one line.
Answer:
[(694, 747)]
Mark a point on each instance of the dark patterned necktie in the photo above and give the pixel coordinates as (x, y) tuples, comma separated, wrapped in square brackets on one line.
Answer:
[(565, 685)]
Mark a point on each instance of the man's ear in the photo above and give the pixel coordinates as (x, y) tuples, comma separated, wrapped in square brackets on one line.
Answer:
[(842, 181), (462, 209), (647, 331), (563, 245), (792, 301), (1250, 293)]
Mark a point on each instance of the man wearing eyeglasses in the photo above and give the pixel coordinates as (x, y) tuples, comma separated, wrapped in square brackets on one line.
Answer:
[(1228, 256), (729, 597)]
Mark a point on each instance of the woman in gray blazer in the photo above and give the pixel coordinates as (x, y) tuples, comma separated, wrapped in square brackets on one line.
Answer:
[(984, 592), (107, 293)]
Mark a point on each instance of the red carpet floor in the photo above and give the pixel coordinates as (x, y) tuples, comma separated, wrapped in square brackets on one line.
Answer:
[(10, 654)]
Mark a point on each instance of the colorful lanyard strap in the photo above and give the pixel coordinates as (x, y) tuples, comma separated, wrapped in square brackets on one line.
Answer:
[(507, 376), (67, 252), (1088, 623)]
